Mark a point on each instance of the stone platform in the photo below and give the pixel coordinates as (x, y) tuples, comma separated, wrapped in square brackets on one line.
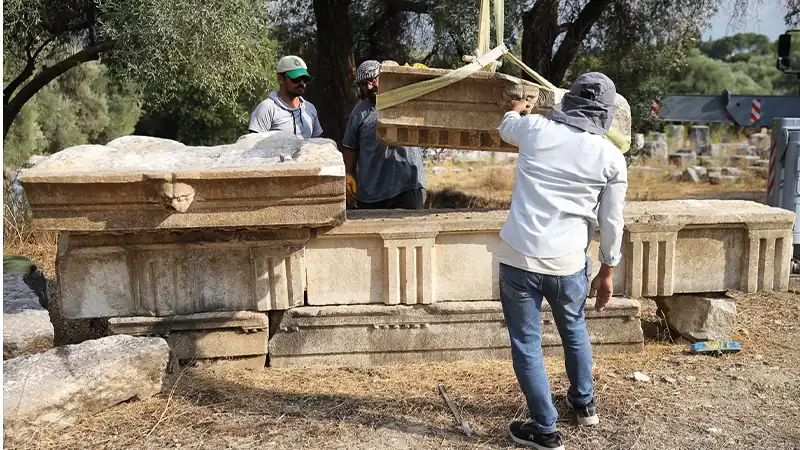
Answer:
[(454, 331), (138, 183), (670, 247), (214, 247)]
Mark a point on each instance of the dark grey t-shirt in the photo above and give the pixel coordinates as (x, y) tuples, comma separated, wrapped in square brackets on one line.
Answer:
[(383, 171)]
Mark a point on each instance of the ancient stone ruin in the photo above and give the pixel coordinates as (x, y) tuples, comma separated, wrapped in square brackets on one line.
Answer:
[(244, 253), (465, 115)]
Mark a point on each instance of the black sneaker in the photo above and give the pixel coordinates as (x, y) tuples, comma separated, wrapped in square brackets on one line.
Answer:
[(524, 433), (587, 415)]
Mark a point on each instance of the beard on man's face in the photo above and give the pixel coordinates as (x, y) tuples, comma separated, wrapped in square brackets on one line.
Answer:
[(297, 90)]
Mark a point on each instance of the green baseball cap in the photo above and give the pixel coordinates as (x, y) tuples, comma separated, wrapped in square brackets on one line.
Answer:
[(293, 67)]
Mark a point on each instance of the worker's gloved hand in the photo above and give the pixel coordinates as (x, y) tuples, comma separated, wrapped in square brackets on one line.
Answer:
[(350, 189)]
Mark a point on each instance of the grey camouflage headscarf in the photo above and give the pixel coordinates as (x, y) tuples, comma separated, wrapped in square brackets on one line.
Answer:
[(589, 105), (368, 70)]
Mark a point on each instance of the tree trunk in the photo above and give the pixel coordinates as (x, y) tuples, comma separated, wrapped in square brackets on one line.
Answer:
[(540, 29), (337, 93), (576, 33), (539, 33)]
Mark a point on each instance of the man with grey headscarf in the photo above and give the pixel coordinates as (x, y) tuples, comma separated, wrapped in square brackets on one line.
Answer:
[(387, 177), (569, 180)]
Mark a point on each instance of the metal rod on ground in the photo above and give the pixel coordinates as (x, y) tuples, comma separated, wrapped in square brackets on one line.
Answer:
[(456, 413)]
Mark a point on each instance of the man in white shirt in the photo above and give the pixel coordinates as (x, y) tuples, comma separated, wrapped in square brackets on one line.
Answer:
[(569, 180)]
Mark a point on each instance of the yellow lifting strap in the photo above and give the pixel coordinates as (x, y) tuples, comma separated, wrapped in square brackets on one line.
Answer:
[(484, 58)]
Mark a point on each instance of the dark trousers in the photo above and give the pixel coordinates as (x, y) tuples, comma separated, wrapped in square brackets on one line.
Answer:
[(413, 199)]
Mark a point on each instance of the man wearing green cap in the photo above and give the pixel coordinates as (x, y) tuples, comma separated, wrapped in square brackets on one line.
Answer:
[(286, 109)]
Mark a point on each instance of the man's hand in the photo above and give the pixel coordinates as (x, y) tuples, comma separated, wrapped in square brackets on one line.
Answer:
[(602, 287), (517, 105), (350, 189)]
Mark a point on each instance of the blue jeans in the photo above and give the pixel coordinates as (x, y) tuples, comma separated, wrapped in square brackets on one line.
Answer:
[(521, 294)]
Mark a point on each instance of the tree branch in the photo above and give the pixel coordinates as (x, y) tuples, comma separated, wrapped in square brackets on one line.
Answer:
[(12, 107), (393, 8), (27, 71), (576, 33), (430, 55)]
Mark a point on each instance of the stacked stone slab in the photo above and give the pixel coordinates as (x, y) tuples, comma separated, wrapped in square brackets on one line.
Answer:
[(235, 244), (196, 244), (403, 268)]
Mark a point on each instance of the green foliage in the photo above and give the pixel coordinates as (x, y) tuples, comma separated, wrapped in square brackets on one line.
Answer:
[(745, 65), (220, 48), (703, 75), (642, 46), (194, 117), (84, 106), (730, 46)]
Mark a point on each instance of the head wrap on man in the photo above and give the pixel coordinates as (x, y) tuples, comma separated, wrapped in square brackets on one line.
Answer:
[(589, 105), (368, 70)]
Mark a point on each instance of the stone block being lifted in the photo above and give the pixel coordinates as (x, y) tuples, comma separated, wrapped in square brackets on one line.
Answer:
[(138, 183), (466, 114)]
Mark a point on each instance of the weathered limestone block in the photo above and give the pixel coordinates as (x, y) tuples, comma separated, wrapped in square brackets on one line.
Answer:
[(379, 334), (760, 140), (59, 387), (700, 135), (718, 178), (638, 141), (683, 158), (26, 325), (695, 246), (177, 273), (409, 258), (679, 246), (655, 150), (240, 336), (677, 134), (690, 174), (138, 183), (466, 114), (700, 318)]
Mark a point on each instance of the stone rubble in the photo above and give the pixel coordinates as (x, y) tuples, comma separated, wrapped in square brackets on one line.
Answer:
[(683, 158), (60, 387), (26, 324), (700, 318)]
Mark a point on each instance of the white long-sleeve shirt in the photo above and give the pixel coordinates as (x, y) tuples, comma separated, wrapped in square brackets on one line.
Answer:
[(568, 181)]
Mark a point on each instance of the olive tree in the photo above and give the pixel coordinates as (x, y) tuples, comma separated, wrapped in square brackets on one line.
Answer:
[(159, 45)]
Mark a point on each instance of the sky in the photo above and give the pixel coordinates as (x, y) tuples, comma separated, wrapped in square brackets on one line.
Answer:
[(763, 19)]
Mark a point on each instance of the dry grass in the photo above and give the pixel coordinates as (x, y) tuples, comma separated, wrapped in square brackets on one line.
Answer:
[(490, 187), (749, 400), (19, 239)]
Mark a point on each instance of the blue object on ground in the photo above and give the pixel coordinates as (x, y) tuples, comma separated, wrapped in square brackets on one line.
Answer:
[(715, 347)]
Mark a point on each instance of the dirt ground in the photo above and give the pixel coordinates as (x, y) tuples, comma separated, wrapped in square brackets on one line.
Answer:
[(747, 400)]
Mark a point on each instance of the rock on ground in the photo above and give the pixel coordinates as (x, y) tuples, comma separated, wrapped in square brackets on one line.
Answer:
[(60, 387), (26, 325), (690, 174), (700, 318)]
